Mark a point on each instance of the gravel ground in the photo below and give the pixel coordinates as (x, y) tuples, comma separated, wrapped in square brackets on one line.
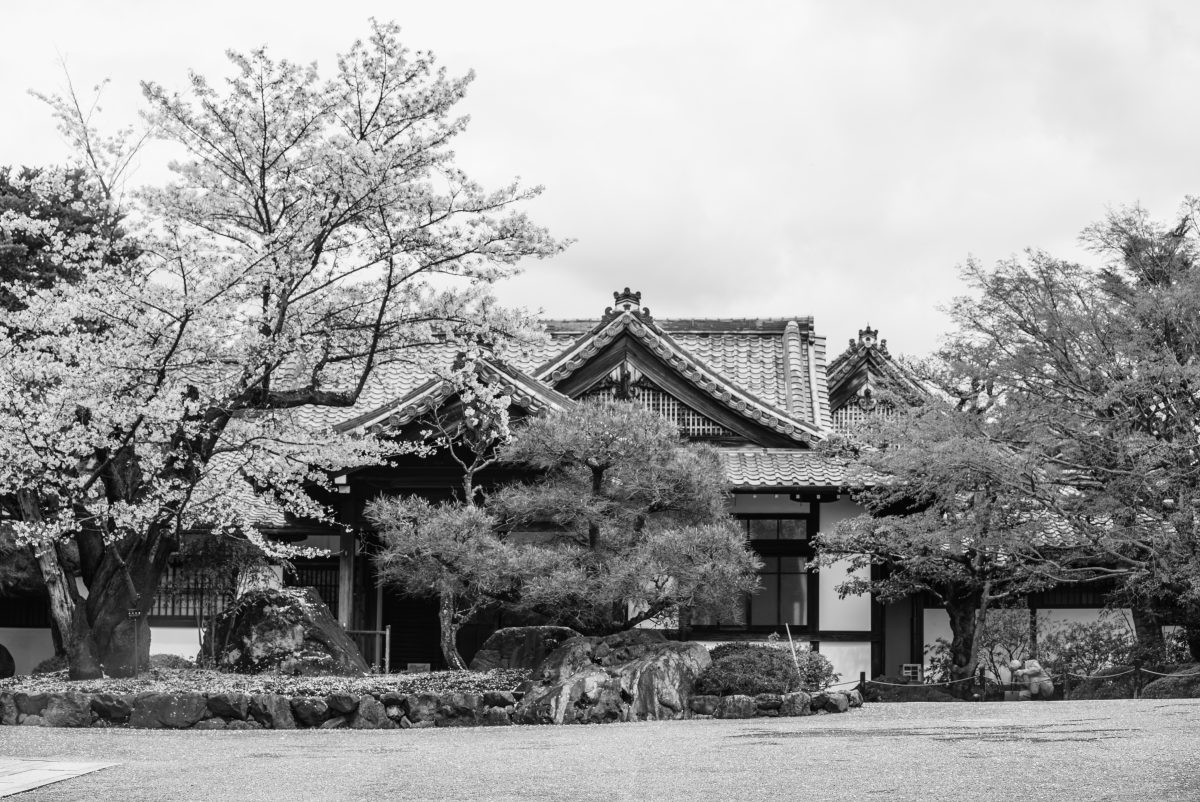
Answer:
[(1103, 750)]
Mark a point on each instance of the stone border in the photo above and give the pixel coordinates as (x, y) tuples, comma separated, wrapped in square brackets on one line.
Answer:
[(772, 705), (391, 710), (242, 711)]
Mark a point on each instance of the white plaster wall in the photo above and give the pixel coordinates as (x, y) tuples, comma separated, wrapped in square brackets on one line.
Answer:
[(852, 612), (183, 641), (936, 623), (849, 658), (28, 646)]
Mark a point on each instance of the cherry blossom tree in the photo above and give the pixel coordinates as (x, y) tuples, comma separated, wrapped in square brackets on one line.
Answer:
[(316, 230)]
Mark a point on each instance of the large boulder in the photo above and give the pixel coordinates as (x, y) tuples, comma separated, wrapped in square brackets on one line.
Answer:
[(289, 630), (631, 676), (519, 647), (8, 666), (170, 710), (68, 710)]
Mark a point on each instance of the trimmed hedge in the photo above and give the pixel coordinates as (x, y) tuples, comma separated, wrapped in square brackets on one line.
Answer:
[(737, 661), (749, 671)]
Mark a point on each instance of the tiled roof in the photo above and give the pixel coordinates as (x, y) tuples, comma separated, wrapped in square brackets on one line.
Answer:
[(783, 468), (702, 375), (388, 382), (771, 378), (526, 392)]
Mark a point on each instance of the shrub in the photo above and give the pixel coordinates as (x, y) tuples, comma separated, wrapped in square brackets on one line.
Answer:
[(816, 672), (749, 670), (1087, 648), (51, 665), (170, 661), (725, 649)]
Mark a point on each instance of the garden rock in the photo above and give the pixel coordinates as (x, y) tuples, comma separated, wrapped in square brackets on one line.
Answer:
[(796, 703), (499, 698), (631, 676), (309, 711), (497, 717), (243, 725), (704, 704), (421, 707), (335, 723), (737, 706), (273, 711), (371, 715), (32, 720), (171, 710), (8, 666), (230, 705), (520, 647), (830, 702), (768, 701), (341, 703), (112, 707), (68, 710), (459, 710), (855, 696), (289, 630), (210, 724), (8, 709), (30, 703)]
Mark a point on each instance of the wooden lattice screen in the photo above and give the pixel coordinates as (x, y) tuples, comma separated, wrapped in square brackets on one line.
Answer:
[(690, 422)]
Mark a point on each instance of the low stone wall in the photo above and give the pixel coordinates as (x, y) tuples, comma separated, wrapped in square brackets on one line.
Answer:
[(772, 705), (241, 711)]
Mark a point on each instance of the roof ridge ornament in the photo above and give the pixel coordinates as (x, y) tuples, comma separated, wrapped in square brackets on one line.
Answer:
[(626, 301), (868, 338)]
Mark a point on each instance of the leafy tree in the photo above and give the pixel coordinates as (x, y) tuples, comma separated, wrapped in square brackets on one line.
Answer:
[(316, 230), (947, 515), (1099, 374), (626, 523), (452, 551), (636, 516), (28, 257)]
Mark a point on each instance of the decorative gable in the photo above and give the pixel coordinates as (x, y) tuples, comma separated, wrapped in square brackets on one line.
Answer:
[(861, 375), (628, 339), (627, 383)]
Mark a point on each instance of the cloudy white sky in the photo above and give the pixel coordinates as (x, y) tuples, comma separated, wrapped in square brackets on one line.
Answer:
[(779, 158)]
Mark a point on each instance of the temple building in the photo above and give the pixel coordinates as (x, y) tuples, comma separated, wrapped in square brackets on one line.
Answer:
[(762, 391)]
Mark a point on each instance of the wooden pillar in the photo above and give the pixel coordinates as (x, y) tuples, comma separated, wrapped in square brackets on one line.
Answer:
[(346, 580)]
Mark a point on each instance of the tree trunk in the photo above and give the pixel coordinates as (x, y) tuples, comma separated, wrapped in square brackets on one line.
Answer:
[(449, 633), (68, 616), (967, 613), (1148, 630), (122, 584), (1033, 633), (71, 618)]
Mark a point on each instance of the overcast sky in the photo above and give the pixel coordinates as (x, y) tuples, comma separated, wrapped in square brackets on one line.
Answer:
[(834, 159)]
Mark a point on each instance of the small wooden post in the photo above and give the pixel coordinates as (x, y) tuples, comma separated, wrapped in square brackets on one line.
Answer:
[(792, 643), (862, 682)]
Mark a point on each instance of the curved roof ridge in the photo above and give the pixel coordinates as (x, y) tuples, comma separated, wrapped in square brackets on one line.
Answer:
[(714, 383)]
